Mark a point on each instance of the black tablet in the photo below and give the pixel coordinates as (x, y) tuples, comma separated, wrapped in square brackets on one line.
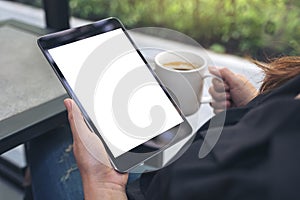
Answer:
[(119, 95)]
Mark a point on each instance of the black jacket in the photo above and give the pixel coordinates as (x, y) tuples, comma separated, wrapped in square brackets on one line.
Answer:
[(256, 157)]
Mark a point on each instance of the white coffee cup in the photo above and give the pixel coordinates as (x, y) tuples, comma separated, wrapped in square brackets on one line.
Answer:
[(185, 84)]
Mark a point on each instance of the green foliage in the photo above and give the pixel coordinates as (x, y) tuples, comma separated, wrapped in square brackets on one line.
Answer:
[(243, 27)]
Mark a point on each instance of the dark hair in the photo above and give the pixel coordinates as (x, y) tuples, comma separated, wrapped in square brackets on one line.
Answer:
[(278, 71)]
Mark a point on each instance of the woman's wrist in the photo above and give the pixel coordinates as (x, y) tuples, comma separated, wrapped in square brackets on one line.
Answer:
[(102, 189)]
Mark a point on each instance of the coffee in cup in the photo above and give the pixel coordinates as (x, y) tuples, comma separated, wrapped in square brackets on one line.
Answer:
[(180, 65)]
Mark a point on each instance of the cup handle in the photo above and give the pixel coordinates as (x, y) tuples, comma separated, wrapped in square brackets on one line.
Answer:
[(208, 99)]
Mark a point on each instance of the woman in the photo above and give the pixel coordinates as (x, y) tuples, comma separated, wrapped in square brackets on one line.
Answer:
[(256, 157)]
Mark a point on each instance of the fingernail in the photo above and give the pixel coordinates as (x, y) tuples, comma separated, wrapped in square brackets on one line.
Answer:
[(68, 104)]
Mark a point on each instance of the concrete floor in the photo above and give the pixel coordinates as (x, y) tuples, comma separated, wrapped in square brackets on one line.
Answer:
[(9, 191)]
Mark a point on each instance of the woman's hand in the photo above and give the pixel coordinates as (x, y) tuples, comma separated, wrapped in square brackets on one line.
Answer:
[(100, 180), (234, 91)]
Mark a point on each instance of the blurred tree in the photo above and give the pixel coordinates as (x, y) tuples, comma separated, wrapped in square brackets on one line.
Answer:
[(243, 27)]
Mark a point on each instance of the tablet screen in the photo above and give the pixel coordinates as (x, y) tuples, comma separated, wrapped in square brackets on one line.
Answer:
[(117, 90)]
